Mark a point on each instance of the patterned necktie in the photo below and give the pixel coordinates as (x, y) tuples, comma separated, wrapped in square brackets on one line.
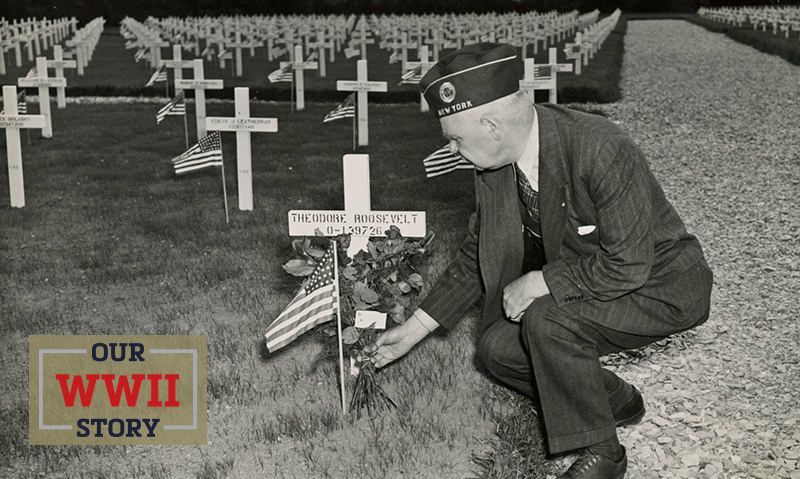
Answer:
[(529, 196)]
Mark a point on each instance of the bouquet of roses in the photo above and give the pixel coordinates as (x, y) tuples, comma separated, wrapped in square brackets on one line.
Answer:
[(385, 278)]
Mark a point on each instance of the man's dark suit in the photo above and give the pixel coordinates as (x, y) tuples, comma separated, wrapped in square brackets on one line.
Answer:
[(638, 272)]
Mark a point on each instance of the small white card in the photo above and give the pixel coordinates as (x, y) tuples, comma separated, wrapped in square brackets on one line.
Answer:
[(370, 320), (585, 230), (355, 368)]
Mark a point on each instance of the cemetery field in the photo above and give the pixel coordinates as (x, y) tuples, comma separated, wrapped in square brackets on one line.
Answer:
[(110, 242), (114, 72)]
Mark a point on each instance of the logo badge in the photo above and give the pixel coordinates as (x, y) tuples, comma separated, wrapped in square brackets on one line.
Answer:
[(117, 390), (447, 92)]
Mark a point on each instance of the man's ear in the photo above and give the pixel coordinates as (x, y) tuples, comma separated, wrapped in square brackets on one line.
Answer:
[(492, 125)]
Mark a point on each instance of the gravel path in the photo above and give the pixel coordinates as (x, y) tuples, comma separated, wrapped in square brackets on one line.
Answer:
[(720, 124)]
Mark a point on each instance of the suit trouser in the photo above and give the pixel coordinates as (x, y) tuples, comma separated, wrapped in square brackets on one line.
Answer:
[(553, 354)]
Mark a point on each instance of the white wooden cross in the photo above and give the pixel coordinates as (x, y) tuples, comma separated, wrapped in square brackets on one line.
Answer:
[(200, 85), (298, 65), (12, 122), (177, 64), (552, 60), (404, 45), (574, 51), (362, 86), (425, 64), (243, 125), (531, 81), (59, 64), (44, 84), (3, 45), (357, 218), (237, 46)]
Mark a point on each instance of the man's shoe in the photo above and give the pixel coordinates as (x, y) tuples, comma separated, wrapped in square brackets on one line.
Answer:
[(595, 466), (631, 412)]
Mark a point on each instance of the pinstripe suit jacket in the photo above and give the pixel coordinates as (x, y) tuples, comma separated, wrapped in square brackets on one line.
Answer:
[(590, 174)]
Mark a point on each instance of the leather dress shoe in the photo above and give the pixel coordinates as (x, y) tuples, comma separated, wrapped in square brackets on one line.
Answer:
[(631, 411), (595, 466)]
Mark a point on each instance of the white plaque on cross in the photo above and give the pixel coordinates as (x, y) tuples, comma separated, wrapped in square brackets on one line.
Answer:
[(243, 125), (12, 122), (362, 86), (357, 218)]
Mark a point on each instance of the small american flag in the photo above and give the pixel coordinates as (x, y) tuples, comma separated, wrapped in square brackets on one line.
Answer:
[(542, 72), (225, 55), (139, 56), (412, 77), (31, 73), (283, 74), (279, 52), (22, 104), (160, 75), (350, 52), (394, 57), (315, 303), (176, 106), (206, 51), (347, 109), (443, 161), (207, 152)]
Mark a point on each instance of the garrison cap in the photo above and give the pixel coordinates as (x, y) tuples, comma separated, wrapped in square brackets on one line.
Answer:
[(471, 76)]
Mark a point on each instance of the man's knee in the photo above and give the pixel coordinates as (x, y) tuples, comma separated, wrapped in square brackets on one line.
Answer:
[(543, 322), (489, 347)]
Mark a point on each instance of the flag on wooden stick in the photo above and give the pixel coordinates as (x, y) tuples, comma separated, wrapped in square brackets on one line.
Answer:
[(158, 76), (176, 106), (346, 109), (316, 303), (206, 153), (443, 161)]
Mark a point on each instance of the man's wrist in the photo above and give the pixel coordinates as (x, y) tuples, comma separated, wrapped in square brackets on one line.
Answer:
[(425, 320)]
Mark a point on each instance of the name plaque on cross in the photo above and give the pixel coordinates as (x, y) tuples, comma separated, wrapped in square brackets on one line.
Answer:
[(20, 121), (269, 125), (366, 223), (204, 84), (355, 85), (42, 82)]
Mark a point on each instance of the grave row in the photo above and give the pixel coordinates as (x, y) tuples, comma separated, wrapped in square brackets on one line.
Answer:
[(325, 36), (80, 45), (781, 20), (587, 42)]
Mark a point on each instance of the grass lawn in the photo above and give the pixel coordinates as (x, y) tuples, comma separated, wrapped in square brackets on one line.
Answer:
[(110, 242)]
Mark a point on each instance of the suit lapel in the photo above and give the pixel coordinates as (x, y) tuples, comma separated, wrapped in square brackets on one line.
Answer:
[(553, 194), (501, 245)]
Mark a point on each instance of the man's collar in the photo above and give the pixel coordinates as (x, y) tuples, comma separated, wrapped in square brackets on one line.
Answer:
[(529, 160)]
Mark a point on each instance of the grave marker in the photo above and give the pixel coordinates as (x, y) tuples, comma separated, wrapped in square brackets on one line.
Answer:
[(298, 65), (11, 121), (357, 218), (243, 125), (200, 85), (361, 85), (59, 64), (43, 83)]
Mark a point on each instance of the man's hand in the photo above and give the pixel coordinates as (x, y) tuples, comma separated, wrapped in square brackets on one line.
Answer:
[(521, 292), (396, 342)]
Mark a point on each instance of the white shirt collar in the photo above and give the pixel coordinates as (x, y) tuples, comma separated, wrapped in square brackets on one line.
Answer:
[(529, 160)]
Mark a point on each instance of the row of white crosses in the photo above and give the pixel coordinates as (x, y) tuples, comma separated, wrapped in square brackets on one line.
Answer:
[(39, 36), (588, 42), (784, 19), (85, 41)]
